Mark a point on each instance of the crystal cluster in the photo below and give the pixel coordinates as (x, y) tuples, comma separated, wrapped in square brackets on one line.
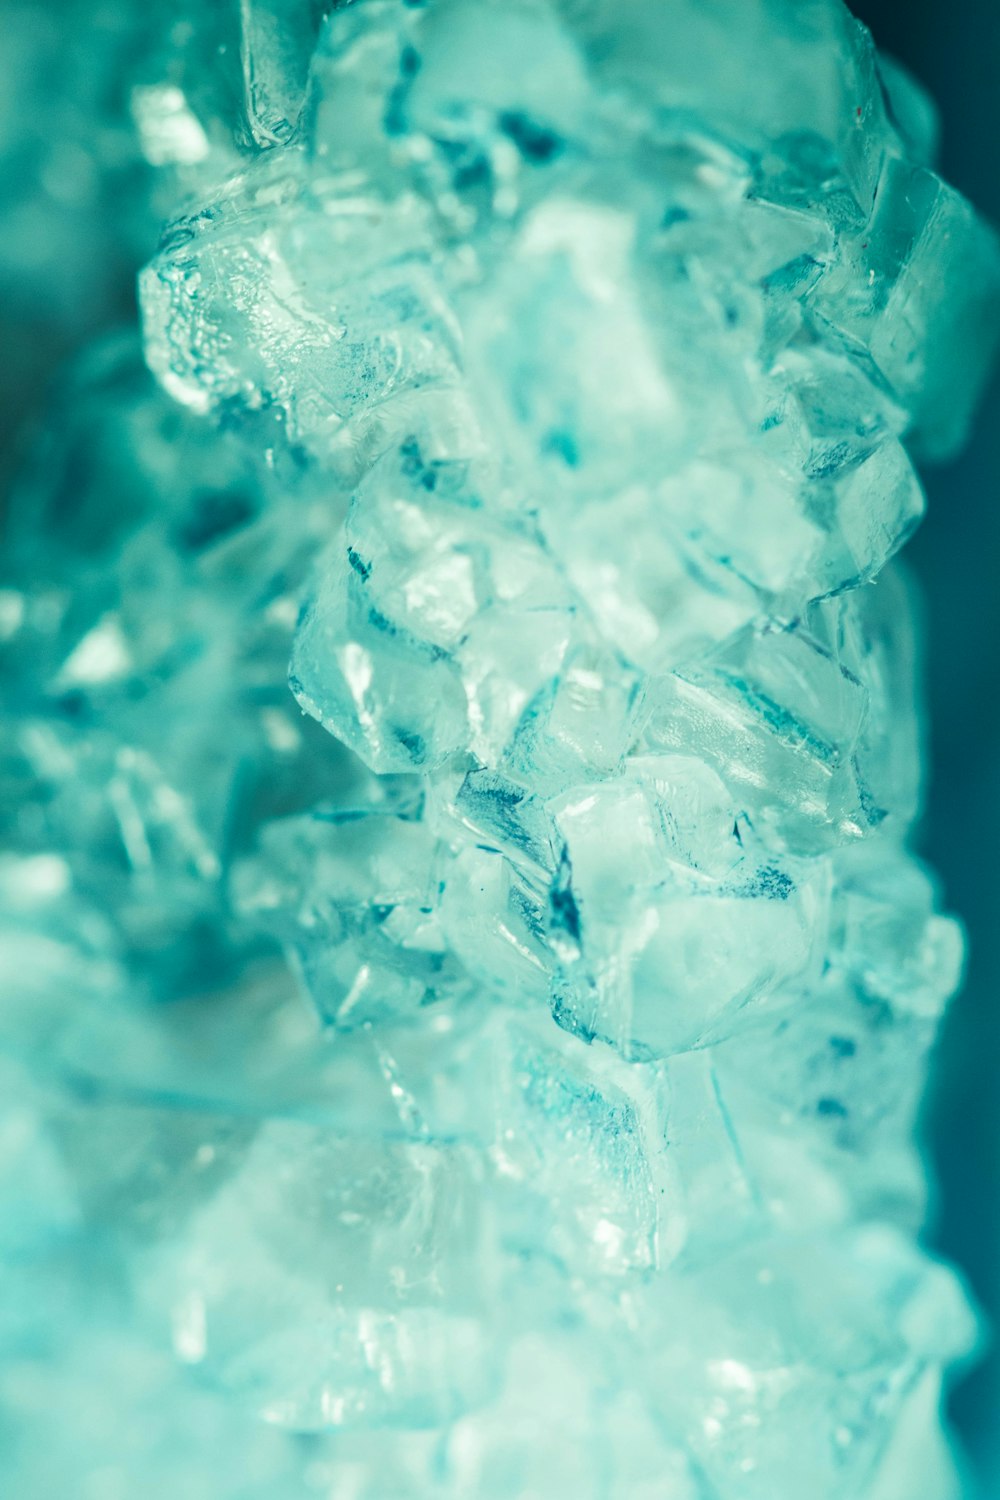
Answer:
[(497, 1080)]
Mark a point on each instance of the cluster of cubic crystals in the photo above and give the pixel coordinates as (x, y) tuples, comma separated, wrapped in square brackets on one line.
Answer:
[(509, 1093)]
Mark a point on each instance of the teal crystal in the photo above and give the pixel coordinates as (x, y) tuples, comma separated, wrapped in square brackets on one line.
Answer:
[(466, 987)]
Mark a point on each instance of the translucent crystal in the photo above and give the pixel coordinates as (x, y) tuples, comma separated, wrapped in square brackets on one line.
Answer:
[(467, 988)]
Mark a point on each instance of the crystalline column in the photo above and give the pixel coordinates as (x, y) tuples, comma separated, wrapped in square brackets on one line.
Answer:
[(552, 370)]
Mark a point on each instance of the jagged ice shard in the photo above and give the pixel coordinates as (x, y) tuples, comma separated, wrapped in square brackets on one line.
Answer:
[(498, 1081)]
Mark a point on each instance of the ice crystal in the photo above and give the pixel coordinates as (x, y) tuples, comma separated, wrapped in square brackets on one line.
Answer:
[(498, 1080)]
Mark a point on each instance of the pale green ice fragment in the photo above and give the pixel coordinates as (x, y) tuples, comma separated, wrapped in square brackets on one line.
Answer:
[(333, 1282), (352, 894), (277, 46), (396, 700), (602, 1196), (898, 261), (817, 1380)]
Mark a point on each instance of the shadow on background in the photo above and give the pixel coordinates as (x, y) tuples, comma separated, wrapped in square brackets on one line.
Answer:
[(954, 49)]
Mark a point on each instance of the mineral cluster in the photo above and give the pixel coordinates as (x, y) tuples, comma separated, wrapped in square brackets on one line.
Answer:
[(466, 988)]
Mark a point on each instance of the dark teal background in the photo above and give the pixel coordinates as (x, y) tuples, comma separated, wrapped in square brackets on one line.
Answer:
[(954, 49)]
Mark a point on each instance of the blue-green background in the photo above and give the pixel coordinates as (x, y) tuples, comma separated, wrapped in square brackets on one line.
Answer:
[(954, 49)]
